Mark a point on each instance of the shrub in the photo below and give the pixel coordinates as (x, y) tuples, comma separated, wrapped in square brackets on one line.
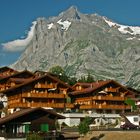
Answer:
[(33, 136), (83, 128), (84, 125)]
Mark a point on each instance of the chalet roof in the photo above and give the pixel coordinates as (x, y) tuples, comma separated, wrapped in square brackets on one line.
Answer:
[(30, 114), (3, 71), (38, 72), (97, 86), (36, 79), (19, 80), (17, 74), (134, 90), (5, 68), (84, 91), (130, 114), (82, 84)]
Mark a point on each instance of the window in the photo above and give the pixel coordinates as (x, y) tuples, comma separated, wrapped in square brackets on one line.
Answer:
[(135, 119)]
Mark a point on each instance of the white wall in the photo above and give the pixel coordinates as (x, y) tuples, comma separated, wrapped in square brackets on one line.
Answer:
[(70, 121), (131, 119), (73, 119)]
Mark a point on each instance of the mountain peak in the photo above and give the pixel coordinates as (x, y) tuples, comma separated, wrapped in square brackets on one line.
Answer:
[(71, 13), (83, 44), (73, 8)]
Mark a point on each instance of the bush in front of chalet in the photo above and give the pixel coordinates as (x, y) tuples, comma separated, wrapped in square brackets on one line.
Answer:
[(84, 125), (33, 136), (83, 128), (131, 102)]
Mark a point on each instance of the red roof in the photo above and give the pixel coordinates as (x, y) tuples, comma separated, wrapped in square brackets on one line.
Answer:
[(16, 75), (96, 86), (84, 85), (5, 68), (29, 114), (36, 79)]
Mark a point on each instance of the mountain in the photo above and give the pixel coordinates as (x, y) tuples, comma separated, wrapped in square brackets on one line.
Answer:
[(82, 44)]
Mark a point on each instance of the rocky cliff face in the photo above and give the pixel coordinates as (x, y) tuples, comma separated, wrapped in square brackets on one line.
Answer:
[(83, 44)]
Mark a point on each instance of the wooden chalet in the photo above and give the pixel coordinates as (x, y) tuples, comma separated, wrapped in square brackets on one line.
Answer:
[(30, 120), (6, 71), (45, 91), (40, 73), (137, 92), (15, 79), (101, 97)]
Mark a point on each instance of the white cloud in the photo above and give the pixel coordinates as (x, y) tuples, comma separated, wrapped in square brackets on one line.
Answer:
[(19, 44)]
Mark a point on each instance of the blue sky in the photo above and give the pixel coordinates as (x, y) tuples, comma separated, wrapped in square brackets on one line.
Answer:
[(16, 16)]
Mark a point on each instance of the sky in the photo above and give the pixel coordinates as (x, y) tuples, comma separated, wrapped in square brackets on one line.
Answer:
[(18, 16)]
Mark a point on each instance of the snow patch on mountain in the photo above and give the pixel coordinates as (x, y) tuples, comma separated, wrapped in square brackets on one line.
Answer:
[(66, 24), (123, 28), (50, 25), (130, 38)]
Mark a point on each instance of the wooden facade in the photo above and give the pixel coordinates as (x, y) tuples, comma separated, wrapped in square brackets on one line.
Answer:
[(15, 79), (101, 96), (45, 91), (20, 123), (6, 71), (42, 89)]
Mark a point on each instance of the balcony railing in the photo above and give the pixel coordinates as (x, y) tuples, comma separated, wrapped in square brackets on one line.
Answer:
[(112, 98), (53, 105), (88, 106), (69, 105), (107, 97), (112, 89), (120, 107), (114, 107), (42, 95), (45, 85)]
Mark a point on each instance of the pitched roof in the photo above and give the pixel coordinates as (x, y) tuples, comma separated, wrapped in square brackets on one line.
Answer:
[(2, 69), (134, 90), (36, 79), (30, 114), (17, 74), (130, 114), (19, 80), (82, 84), (96, 86)]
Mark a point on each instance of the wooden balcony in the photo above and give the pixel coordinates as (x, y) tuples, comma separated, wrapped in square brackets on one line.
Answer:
[(14, 97), (56, 95), (119, 107), (42, 95), (2, 85), (69, 105), (26, 105), (46, 85), (112, 98), (112, 89), (103, 98), (53, 105), (89, 106), (83, 99)]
